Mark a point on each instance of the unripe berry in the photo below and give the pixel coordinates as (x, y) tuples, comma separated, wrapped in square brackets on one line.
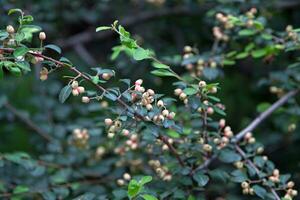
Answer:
[(111, 135), (213, 90), (246, 191), (290, 184), (149, 107), (245, 185), (182, 96), (74, 84), (202, 84), (160, 103), (239, 164), (10, 29), (165, 147), (276, 172), (75, 92), (210, 110), (106, 76), (222, 123), (207, 148), (125, 132), (150, 92), (171, 115), (177, 91), (139, 82), (85, 99), (260, 150), (126, 176), (165, 113), (120, 182), (42, 36), (108, 122), (81, 89), (252, 140), (213, 64), (187, 49), (248, 135)]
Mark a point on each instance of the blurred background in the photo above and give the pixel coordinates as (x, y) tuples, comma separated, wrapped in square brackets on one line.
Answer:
[(165, 26)]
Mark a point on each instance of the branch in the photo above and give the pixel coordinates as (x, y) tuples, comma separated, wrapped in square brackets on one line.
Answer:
[(264, 115), (28, 122), (88, 79), (252, 125), (243, 154)]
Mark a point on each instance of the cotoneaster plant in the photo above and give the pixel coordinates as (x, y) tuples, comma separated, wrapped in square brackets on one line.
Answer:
[(168, 143)]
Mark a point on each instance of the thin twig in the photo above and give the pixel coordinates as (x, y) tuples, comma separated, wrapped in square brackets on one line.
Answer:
[(28, 122), (252, 125), (264, 115), (243, 154), (88, 79)]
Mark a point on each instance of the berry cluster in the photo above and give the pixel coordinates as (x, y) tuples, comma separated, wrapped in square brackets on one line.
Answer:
[(161, 171), (80, 138)]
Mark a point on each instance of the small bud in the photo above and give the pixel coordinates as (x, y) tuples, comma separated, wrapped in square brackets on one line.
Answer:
[(213, 90), (10, 29), (85, 99), (259, 150), (42, 36), (108, 122), (44, 74), (252, 140)]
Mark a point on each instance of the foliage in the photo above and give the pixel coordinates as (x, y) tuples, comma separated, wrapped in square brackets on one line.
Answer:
[(134, 131)]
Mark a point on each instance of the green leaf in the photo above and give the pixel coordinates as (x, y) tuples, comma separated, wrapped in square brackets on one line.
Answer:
[(24, 65), (102, 28), (20, 51), (173, 134), (260, 191), (15, 71), (3, 100), (160, 65), (141, 54), (241, 55), (3, 35), (258, 53), (262, 107), (133, 188), (149, 197), (15, 10), (266, 36), (145, 179), (190, 91), (229, 156), (53, 47), (20, 189), (1, 71), (228, 62), (162, 72), (65, 93), (201, 178), (247, 32)]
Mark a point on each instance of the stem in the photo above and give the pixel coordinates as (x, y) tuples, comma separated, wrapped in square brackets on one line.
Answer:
[(120, 101), (28, 122)]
